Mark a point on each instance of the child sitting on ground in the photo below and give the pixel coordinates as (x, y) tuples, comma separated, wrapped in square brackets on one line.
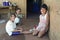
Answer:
[(43, 23), (19, 16), (11, 27)]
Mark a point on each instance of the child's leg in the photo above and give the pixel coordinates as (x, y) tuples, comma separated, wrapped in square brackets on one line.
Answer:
[(40, 34), (26, 32), (35, 32)]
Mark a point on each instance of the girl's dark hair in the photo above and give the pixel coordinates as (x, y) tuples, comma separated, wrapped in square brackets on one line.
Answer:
[(44, 6), (18, 9)]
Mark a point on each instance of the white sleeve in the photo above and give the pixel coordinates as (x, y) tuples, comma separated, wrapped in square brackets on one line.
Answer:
[(16, 20), (14, 25), (9, 27)]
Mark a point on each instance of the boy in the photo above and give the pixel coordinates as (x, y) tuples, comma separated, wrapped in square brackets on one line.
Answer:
[(11, 26), (19, 16)]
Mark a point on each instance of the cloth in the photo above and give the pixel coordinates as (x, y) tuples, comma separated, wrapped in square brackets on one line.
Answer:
[(15, 33)]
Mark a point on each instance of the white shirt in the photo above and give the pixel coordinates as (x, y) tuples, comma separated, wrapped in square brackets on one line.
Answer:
[(16, 20), (10, 27)]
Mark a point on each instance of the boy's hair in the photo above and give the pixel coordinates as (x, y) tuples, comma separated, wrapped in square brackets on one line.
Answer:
[(18, 9), (12, 14), (44, 6)]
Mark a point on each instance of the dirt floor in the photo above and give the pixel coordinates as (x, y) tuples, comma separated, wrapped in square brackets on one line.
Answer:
[(27, 24)]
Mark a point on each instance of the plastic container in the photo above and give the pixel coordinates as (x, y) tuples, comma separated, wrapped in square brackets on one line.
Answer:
[(6, 3)]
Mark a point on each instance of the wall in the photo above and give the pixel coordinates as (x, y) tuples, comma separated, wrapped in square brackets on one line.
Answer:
[(54, 33), (20, 3)]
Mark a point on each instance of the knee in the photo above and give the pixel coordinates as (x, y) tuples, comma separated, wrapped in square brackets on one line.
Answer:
[(35, 33)]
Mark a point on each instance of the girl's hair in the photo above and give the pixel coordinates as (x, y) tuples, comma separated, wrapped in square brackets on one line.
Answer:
[(44, 6), (18, 9)]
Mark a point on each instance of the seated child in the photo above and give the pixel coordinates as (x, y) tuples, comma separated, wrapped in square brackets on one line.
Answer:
[(19, 16), (11, 27), (43, 23)]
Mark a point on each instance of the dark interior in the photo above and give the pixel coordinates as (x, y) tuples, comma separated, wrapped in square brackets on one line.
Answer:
[(33, 8)]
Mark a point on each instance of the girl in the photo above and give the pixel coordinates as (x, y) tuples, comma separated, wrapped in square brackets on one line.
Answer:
[(43, 21)]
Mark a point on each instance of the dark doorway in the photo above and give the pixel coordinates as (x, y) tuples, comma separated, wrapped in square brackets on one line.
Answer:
[(33, 8)]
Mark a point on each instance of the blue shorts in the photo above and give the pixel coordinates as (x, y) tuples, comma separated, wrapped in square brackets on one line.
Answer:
[(15, 33)]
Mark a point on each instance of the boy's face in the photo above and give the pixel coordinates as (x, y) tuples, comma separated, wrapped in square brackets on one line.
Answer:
[(18, 11), (43, 10), (12, 17)]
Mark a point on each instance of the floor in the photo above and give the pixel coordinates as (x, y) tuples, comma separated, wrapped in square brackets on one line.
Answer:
[(27, 24)]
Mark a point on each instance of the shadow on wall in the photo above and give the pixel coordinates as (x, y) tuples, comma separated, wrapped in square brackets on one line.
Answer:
[(49, 20)]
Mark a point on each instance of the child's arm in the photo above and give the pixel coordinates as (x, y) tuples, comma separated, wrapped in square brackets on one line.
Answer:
[(17, 30), (47, 20)]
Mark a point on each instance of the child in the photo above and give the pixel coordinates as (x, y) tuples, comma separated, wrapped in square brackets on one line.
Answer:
[(43, 23), (11, 26), (19, 16)]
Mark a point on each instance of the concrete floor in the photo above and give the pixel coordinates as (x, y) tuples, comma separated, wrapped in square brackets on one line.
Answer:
[(27, 24)]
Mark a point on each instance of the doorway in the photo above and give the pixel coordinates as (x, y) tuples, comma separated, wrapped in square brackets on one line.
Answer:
[(33, 8)]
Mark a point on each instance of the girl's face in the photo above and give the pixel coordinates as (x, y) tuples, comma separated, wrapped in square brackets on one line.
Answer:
[(43, 10), (12, 18), (18, 11)]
